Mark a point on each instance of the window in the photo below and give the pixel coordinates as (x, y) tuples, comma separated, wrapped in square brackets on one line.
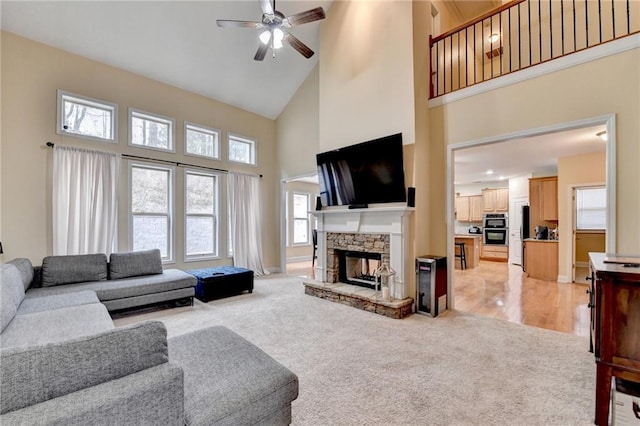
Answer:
[(242, 150), (150, 130), (151, 208), (301, 218), (591, 208), (86, 117), (201, 141), (201, 208)]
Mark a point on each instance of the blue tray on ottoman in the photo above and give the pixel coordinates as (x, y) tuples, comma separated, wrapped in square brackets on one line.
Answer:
[(222, 281)]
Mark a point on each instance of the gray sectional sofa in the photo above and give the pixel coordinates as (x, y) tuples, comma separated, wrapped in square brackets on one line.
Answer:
[(63, 362)]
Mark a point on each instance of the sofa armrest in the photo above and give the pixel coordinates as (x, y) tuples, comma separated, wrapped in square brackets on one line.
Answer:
[(154, 396), (35, 374)]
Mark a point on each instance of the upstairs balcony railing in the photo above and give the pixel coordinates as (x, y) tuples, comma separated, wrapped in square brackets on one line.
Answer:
[(524, 33)]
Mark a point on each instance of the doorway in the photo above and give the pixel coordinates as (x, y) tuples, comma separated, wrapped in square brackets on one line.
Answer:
[(589, 205), (512, 289)]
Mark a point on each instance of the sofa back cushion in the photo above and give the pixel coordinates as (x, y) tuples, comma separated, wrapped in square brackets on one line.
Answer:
[(11, 293), (70, 269), (26, 270), (134, 264)]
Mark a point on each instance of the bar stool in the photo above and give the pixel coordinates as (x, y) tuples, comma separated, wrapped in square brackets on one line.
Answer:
[(462, 255)]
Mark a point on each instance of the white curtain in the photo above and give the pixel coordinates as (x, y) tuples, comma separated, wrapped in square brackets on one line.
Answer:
[(244, 220), (85, 200)]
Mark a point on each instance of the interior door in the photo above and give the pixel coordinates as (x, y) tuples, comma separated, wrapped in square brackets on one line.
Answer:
[(515, 219)]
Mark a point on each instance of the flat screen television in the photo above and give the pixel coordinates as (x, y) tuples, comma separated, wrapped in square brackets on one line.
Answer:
[(365, 173)]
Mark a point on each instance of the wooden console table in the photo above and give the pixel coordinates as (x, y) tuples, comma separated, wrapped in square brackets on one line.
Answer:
[(615, 325)]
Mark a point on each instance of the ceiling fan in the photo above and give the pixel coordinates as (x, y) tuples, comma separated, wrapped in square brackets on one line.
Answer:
[(276, 27)]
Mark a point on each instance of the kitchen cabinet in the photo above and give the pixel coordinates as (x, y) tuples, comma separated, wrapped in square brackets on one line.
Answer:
[(495, 253), (495, 200), (471, 248), (543, 202), (462, 209), (469, 208), (541, 259), (614, 299), (475, 208)]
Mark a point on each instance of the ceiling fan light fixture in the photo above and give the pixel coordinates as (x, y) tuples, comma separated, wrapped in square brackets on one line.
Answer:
[(603, 135), (278, 36), (265, 36)]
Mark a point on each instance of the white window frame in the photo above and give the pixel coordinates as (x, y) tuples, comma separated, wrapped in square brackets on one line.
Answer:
[(294, 218), (85, 100), (253, 153), (171, 122), (206, 130), (170, 258), (215, 216), (587, 188)]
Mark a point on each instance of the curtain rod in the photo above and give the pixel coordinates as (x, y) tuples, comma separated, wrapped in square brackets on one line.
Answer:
[(177, 164)]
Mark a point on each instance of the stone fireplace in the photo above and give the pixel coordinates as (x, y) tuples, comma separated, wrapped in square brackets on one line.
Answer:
[(359, 240)]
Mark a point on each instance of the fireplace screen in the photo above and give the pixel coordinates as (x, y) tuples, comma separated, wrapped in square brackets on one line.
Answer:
[(358, 268)]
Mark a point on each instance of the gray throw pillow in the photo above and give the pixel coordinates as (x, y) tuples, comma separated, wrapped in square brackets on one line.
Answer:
[(125, 265), (70, 269)]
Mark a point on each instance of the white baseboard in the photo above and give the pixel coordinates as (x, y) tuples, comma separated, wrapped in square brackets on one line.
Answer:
[(298, 259), (563, 279), (582, 264), (274, 270)]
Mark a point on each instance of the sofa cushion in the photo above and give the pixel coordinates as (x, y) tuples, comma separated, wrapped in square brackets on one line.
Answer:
[(171, 279), (58, 270), (32, 304), (39, 373), (26, 270), (57, 325), (11, 293), (135, 264)]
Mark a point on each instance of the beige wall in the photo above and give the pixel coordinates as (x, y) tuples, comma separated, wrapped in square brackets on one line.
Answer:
[(31, 74), (596, 88), (580, 170), (298, 130), (366, 72)]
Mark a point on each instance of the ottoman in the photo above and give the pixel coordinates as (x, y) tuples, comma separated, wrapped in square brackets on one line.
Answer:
[(222, 281), (230, 381)]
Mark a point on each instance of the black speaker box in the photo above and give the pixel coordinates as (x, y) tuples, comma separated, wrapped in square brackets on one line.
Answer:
[(318, 203), (411, 197)]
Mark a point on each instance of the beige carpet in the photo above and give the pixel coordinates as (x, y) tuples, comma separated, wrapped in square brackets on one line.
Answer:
[(359, 368)]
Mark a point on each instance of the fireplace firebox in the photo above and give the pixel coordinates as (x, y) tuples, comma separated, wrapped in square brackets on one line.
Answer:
[(358, 267)]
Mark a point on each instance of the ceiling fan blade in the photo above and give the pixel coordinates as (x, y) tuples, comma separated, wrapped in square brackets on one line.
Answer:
[(267, 7), (262, 52), (307, 16), (225, 23), (298, 45)]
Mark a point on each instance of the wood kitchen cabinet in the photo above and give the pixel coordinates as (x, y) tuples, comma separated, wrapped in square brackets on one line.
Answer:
[(541, 259), (495, 253), (472, 250), (615, 325), (469, 208), (495, 200), (543, 202)]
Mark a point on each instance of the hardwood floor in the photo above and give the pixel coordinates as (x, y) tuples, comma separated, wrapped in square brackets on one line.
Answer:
[(502, 291)]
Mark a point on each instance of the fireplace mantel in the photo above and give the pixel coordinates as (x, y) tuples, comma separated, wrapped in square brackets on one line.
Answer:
[(392, 220)]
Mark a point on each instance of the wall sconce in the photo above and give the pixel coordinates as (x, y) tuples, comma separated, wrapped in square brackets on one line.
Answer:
[(603, 135)]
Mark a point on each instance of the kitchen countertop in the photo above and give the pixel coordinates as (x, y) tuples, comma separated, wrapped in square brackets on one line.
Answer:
[(540, 241), (467, 236)]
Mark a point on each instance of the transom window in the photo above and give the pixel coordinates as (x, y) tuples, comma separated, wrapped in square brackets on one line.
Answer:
[(86, 117), (242, 150), (201, 141), (151, 208), (201, 211), (591, 208), (151, 131)]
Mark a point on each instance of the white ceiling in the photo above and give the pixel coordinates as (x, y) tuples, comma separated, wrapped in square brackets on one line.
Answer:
[(178, 43), (537, 155)]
